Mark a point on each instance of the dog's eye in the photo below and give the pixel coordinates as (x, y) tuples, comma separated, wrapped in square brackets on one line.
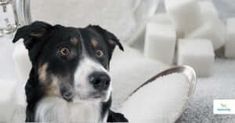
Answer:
[(99, 53), (64, 51)]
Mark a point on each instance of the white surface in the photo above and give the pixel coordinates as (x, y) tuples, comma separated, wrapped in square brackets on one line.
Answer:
[(185, 14), (164, 103), (197, 53), (160, 41), (230, 38)]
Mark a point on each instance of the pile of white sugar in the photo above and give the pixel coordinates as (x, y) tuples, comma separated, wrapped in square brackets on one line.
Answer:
[(161, 101)]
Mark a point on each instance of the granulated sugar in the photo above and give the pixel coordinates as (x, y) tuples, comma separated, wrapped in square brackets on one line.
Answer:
[(161, 101)]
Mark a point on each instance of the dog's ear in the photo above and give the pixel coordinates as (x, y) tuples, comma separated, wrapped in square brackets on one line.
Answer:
[(32, 33), (108, 36)]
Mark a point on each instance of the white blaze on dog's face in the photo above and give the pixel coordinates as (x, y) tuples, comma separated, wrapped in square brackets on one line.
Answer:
[(86, 72), (91, 79)]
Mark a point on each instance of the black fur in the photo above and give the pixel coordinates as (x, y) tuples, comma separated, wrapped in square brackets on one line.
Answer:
[(109, 37), (42, 40), (33, 94), (116, 117), (112, 116)]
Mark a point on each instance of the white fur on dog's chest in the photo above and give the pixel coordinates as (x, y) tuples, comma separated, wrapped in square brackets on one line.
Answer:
[(85, 112), (61, 111)]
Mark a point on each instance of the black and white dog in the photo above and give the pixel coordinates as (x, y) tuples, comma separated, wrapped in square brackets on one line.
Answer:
[(69, 79)]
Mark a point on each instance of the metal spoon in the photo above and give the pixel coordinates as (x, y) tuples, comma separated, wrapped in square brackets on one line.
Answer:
[(188, 71)]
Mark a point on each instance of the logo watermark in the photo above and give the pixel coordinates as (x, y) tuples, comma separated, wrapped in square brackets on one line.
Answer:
[(224, 106)]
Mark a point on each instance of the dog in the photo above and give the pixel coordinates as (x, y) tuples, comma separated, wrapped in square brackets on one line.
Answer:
[(69, 79)]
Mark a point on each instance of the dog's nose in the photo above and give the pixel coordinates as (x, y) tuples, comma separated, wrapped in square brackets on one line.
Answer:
[(99, 80)]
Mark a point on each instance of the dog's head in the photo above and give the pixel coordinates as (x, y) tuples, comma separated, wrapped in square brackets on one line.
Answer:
[(70, 62)]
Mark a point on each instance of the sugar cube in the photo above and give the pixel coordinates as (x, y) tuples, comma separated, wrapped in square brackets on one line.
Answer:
[(197, 53), (160, 42)]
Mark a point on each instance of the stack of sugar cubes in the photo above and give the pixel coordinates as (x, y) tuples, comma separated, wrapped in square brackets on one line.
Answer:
[(189, 33)]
